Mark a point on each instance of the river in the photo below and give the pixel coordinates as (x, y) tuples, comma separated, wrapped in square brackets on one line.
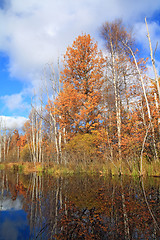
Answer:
[(78, 207)]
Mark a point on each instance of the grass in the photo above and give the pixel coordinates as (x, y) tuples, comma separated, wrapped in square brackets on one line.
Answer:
[(59, 171), (2, 166), (151, 169), (103, 169), (21, 168)]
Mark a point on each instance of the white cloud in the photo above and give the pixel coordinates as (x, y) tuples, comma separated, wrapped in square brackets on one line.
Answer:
[(150, 71), (141, 33), (141, 36), (12, 122), (35, 31), (16, 102), (13, 102)]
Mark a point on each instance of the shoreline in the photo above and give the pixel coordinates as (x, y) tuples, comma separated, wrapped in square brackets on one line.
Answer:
[(102, 170)]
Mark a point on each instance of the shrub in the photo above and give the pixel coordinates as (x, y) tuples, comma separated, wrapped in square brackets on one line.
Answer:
[(83, 148)]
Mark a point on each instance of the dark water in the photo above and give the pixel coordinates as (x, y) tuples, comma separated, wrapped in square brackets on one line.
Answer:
[(78, 207)]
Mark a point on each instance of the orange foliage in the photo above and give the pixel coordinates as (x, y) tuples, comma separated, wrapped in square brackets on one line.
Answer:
[(78, 105)]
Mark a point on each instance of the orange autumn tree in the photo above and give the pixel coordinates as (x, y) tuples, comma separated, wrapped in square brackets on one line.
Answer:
[(79, 103)]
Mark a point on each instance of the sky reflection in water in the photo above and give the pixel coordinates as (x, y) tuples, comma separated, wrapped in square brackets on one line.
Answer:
[(14, 225)]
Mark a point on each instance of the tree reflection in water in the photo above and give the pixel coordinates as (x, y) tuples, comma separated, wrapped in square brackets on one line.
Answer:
[(86, 207)]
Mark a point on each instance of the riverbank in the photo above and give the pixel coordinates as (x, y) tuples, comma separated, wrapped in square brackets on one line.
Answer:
[(149, 169)]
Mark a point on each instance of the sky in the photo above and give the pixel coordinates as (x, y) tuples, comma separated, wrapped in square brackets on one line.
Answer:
[(34, 33)]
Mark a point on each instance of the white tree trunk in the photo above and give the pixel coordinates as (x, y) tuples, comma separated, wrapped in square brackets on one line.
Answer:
[(117, 104), (152, 59), (145, 96)]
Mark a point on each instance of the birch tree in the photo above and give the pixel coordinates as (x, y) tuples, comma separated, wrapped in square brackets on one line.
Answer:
[(33, 132), (125, 43), (112, 33), (53, 79)]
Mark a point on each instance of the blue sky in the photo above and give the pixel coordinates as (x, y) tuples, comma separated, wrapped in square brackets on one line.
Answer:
[(36, 32)]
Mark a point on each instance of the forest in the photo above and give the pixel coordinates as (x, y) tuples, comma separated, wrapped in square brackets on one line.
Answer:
[(97, 109)]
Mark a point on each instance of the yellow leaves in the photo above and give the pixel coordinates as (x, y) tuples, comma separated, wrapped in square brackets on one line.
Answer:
[(83, 145)]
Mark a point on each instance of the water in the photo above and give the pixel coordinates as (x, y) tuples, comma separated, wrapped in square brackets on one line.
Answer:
[(78, 207)]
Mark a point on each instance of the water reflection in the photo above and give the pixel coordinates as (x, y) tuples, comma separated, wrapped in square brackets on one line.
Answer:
[(45, 207)]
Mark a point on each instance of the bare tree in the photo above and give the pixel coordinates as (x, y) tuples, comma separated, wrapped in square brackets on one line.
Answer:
[(155, 73), (53, 87), (125, 43), (153, 59), (112, 34)]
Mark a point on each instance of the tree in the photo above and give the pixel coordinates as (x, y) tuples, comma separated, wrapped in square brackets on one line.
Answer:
[(33, 134), (55, 136), (120, 74), (79, 103)]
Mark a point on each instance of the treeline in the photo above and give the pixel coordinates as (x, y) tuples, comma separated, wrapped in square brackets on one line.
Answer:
[(100, 108)]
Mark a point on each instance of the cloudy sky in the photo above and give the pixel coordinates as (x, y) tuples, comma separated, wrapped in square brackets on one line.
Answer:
[(36, 32)]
